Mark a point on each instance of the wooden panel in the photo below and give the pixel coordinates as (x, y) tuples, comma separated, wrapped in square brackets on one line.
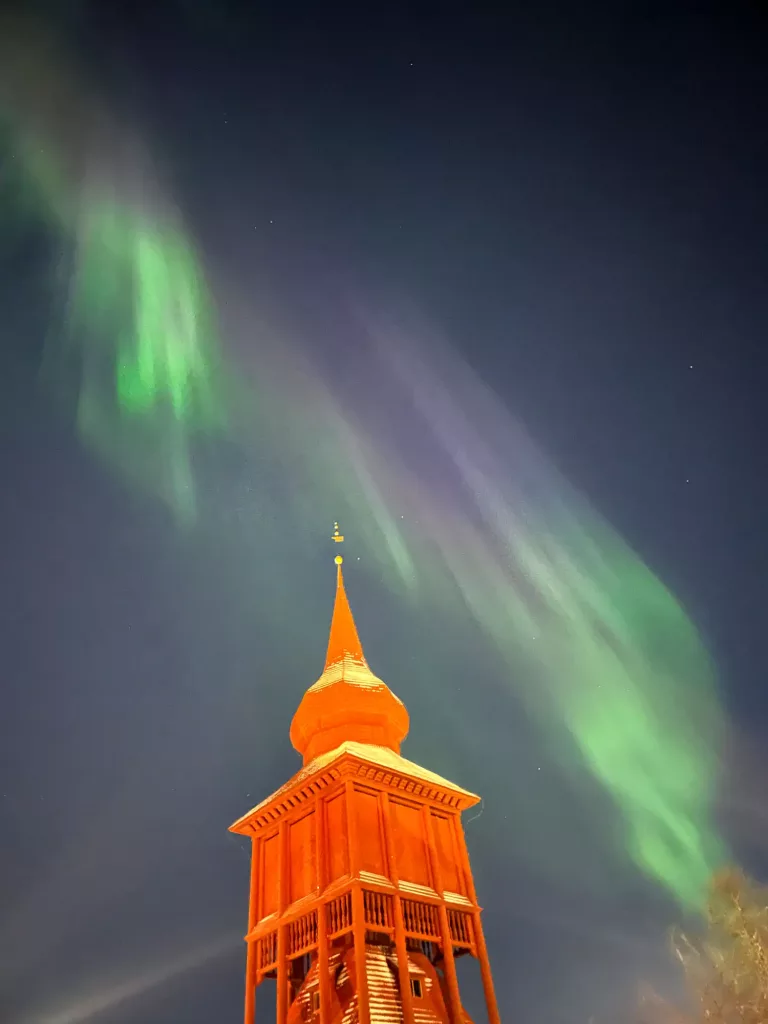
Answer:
[(410, 843), (301, 844), (270, 877), (337, 853), (447, 855), (369, 838), (460, 845)]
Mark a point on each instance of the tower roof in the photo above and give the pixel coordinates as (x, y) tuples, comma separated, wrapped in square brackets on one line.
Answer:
[(348, 702)]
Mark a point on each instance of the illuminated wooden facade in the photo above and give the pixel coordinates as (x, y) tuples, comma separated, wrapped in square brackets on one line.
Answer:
[(361, 893)]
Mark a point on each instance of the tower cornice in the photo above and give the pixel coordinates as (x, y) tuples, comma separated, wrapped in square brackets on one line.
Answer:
[(378, 765)]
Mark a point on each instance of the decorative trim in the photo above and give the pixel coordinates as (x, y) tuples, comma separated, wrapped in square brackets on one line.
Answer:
[(349, 766)]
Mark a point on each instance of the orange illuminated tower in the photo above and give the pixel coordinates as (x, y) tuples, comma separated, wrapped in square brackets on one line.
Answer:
[(362, 894)]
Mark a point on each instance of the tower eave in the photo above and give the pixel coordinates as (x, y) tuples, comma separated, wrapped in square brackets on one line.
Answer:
[(352, 758)]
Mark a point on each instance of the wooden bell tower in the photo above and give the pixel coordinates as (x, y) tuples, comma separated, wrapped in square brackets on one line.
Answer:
[(361, 893)]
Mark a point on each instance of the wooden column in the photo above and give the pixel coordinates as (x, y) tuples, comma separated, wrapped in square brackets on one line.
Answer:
[(358, 910), (250, 983), (403, 972), (322, 918), (282, 976), (482, 950), (251, 946), (282, 936), (449, 963)]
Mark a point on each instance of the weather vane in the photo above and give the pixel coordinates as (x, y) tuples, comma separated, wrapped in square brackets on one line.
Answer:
[(338, 538)]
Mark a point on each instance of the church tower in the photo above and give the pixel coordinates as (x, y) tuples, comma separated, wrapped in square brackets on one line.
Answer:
[(361, 895)]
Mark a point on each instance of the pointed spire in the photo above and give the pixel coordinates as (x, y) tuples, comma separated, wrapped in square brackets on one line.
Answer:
[(344, 641)]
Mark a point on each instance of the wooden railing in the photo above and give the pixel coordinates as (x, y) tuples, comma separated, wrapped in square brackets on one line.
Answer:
[(339, 915), (460, 924), (267, 956), (302, 934), (421, 922), (379, 910), (421, 919)]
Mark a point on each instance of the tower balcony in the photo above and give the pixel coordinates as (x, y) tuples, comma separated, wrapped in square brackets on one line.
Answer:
[(334, 914)]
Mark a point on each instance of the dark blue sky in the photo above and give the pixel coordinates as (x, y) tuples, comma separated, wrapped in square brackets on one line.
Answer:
[(577, 197)]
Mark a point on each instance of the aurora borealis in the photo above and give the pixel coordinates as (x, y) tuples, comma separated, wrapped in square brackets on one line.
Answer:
[(137, 285), (137, 319), (266, 306)]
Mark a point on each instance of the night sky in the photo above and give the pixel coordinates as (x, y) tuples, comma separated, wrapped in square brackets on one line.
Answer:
[(575, 200)]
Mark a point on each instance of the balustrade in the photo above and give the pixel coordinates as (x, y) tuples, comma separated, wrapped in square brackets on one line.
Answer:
[(302, 934), (339, 915), (420, 919), (421, 922), (460, 924), (379, 910), (267, 951)]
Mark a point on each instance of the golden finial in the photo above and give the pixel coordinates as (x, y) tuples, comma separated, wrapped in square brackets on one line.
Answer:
[(338, 537)]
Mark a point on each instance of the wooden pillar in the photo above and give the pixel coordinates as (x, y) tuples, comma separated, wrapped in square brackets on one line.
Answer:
[(252, 947), (282, 976), (282, 936), (361, 970), (403, 972), (250, 983), (449, 963), (322, 918), (358, 911), (323, 974), (482, 950), (485, 971)]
